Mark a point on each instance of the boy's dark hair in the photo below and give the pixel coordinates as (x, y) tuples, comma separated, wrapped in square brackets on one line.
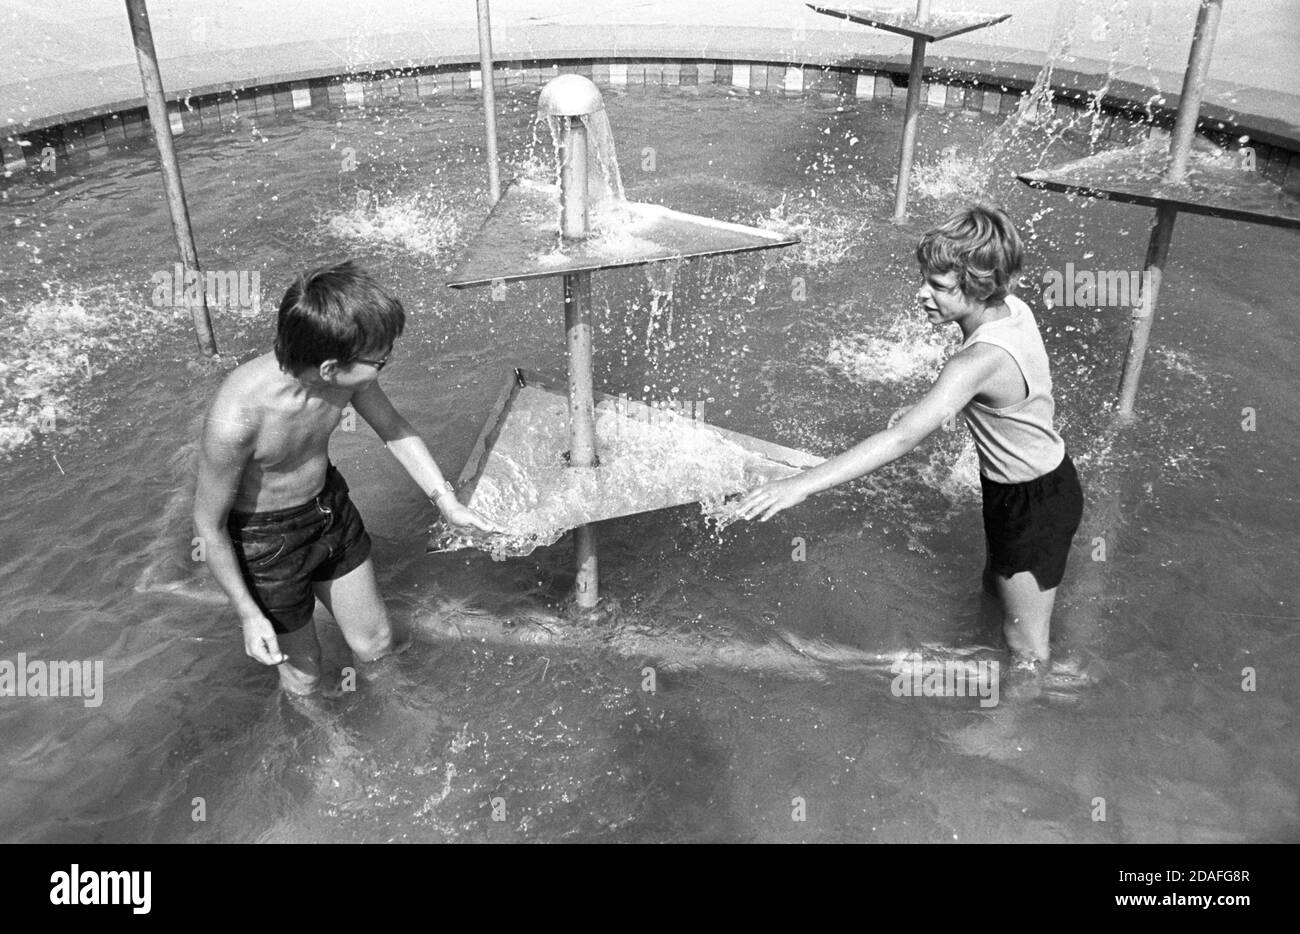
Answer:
[(981, 246), (335, 312)]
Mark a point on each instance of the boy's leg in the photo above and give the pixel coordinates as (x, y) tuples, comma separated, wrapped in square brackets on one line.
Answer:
[(357, 606), (1027, 614), (301, 673)]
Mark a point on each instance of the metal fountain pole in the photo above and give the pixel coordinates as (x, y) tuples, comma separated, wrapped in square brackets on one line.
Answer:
[(162, 134), (487, 69), (574, 225), (911, 117), (1180, 147), (1189, 103), (922, 31)]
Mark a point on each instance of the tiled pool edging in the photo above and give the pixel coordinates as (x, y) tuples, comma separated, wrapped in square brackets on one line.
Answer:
[(1129, 110)]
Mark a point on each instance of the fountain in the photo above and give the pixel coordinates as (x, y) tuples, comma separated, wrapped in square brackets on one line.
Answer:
[(520, 472), (923, 27), (1199, 180)]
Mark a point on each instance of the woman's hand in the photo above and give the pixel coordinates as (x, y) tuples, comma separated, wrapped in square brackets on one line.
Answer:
[(770, 498)]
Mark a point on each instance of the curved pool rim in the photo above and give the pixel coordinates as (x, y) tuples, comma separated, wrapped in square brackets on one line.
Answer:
[(760, 62)]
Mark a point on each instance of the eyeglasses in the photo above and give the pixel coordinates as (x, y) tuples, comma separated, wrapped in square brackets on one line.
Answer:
[(377, 364)]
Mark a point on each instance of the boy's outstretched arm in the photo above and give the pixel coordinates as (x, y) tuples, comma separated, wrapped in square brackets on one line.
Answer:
[(223, 453), (961, 379), (373, 404)]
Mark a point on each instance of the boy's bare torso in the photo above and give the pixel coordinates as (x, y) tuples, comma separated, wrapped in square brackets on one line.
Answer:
[(292, 427)]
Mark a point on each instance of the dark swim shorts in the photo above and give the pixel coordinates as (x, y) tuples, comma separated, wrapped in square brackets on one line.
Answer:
[(283, 552), (1029, 526)]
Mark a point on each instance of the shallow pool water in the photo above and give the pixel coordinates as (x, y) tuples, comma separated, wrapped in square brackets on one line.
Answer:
[(768, 646)]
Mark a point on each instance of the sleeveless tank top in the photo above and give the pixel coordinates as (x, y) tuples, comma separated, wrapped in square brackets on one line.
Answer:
[(1017, 443)]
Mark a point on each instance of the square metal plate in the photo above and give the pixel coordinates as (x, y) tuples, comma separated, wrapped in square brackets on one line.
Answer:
[(1215, 184), (520, 238), (650, 458), (934, 27)]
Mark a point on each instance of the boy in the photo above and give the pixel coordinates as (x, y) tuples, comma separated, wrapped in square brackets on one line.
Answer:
[(273, 512), (1000, 379)]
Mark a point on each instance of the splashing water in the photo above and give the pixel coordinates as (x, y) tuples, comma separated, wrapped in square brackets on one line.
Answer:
[(661, 277), (956, 478), (51, 347), (1026, 139), (649, 459), (954, 176), (419, 223), (826, 235), (1181, 362), (907, 350), (909, 353)]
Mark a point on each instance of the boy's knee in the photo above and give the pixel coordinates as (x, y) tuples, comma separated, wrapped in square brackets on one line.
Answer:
[(374, 645)]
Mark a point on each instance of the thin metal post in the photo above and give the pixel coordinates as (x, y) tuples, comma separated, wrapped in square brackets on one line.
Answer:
[(1162, 232), (1189, 103), (487, 69), (1144, 315), (162, 134), (582, 422), (910, 119), (573, 180), (582, 404), (577, 327), (586, 586)]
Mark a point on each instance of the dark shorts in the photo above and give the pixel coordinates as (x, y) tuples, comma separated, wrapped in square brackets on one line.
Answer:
[(1029, 526), (283, 552)]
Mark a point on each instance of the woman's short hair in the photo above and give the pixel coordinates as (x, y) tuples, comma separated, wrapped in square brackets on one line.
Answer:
[(981, 246), (335, 312)]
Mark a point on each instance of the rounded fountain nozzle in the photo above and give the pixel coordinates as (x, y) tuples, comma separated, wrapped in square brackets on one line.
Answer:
[(570, 96)]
